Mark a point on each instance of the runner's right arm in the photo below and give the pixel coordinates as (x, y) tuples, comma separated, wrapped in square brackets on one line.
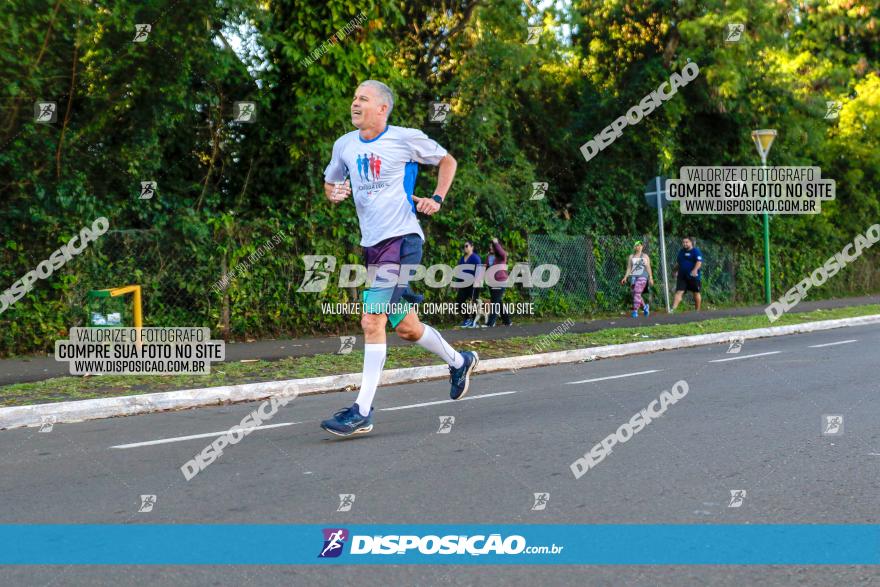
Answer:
[(336, 185), (337, 192)]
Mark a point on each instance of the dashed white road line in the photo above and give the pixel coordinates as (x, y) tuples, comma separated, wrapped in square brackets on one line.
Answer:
[(447, 401), (819, 346), (435, 403), (193, 436), (745, 357), (267, 426), (614, 376)]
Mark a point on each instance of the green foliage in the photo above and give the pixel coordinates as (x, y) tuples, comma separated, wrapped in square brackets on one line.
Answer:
[(162, 110)]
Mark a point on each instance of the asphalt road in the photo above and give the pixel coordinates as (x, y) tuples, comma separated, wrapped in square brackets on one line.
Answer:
[(750, 421), (40, 367)]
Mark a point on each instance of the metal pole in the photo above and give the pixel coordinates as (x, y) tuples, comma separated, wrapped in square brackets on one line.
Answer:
[(766, 240), (662, 243)]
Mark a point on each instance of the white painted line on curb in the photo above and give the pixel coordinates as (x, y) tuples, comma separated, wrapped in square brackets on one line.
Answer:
[(746, 357), (205, 435), (819, 346), (614, 377), (447, 401)]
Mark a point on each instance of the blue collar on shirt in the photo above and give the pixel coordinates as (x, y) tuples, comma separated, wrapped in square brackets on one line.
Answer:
[(376, 138)]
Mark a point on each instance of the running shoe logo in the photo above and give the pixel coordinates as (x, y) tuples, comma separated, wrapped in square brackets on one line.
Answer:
[(334, 540), (369, 167)]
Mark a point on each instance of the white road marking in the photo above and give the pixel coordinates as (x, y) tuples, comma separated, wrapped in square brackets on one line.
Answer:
[(447, 401), (205, 435), (745, 357), (819, 346), (614, 377), (220, 433)]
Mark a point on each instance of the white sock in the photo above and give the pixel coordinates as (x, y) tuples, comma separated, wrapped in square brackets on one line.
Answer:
[(374, 360), (432, 341)]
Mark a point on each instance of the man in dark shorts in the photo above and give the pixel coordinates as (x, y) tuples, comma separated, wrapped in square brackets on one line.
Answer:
[(387, 158), (690, 260)]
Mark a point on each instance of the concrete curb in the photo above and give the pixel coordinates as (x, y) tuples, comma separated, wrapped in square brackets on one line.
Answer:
[(92, 409)]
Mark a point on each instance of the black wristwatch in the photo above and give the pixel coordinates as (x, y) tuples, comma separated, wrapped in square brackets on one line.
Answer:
[(437, 199)]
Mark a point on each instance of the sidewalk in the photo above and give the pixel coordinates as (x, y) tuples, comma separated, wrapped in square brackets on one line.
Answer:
[(38, 368)]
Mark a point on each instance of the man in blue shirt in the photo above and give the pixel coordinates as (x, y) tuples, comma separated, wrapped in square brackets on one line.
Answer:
[(467, 295), (690, 261)]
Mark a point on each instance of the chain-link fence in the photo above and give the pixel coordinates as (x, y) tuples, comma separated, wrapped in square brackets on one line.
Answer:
[(182, 281), (173, 286), (591, 268), (239, 285)]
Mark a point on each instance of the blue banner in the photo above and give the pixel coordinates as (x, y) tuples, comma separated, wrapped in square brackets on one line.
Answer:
[(601, 544)]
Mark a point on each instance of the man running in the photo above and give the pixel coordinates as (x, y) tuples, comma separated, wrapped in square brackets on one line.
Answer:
[(391, 237)]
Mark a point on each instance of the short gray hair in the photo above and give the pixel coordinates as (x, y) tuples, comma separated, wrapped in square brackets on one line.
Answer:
[(384, 92)]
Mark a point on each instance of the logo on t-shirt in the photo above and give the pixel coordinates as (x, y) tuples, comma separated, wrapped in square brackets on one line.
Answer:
[(370, 173), (369, 166)]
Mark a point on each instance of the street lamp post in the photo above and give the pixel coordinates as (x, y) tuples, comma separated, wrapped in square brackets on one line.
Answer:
[(763, 141)]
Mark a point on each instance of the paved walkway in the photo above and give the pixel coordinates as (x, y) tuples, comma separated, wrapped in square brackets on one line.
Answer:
[(38, 368)]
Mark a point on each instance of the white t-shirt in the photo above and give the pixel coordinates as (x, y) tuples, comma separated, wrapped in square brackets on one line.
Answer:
[(383, 173), (637, 265)]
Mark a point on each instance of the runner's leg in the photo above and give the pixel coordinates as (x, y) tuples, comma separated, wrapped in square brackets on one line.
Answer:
[(375, 349), (384, 291), (413, 330)]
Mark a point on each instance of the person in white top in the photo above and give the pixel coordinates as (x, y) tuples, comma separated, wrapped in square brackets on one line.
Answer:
[(377, 164), (638, 271)]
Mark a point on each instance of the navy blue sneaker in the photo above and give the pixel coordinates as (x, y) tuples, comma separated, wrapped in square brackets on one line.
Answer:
[(348, 421), (461, 378), (647, 310)]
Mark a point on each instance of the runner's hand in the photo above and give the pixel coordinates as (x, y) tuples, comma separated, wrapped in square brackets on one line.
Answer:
[(337, 191), (426, 206), (622, 281)]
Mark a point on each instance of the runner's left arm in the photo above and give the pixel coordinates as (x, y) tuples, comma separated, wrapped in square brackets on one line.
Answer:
[(424, 149), (445, 175)]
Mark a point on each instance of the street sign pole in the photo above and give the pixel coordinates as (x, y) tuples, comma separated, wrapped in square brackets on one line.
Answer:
[(766, 241), (662, 243), (763, 141), (655, 190)]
